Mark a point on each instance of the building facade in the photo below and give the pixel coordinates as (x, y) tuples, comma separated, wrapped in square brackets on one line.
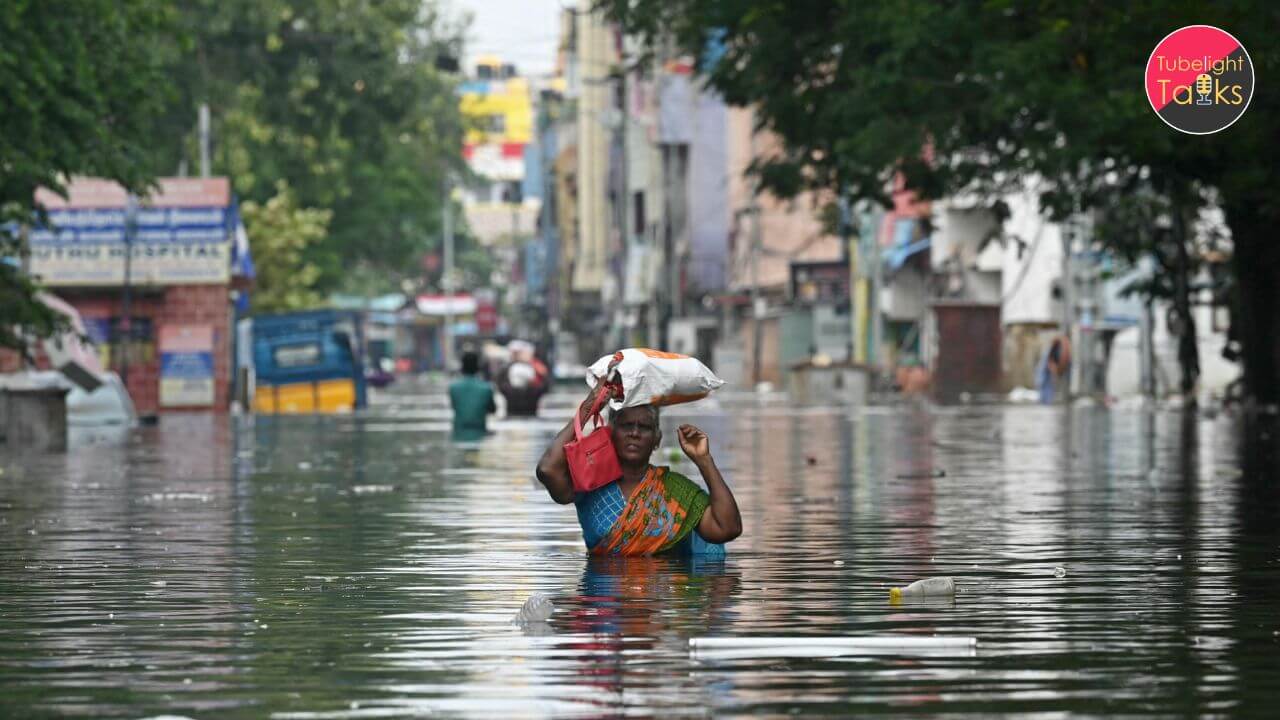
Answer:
[(177, 260)]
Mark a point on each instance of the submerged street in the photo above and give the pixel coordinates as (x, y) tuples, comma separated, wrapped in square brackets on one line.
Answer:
[(1107, 561), (927, 351)]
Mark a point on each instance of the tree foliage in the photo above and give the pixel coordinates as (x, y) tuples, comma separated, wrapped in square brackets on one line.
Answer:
[(978, 96), (342, 100), (283, 232), (79, 83)]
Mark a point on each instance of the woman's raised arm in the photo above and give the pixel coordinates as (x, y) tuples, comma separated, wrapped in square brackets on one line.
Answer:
[(721, 522)]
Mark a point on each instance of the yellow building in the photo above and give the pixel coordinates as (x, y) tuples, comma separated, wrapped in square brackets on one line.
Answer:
[(498, 109), (499, 114)]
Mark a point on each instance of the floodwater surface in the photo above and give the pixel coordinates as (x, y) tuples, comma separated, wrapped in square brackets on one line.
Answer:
[(1107, 562)]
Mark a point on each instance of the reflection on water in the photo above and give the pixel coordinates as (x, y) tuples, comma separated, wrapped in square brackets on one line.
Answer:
[(366, 567)]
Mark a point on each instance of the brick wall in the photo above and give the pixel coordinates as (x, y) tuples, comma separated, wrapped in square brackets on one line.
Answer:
[(10, 361), (204, 305), (143, 383), (175, 305)]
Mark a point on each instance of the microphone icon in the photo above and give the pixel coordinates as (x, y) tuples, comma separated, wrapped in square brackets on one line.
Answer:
[(1204, 86)]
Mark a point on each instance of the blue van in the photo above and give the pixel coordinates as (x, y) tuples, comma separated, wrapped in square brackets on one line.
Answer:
[(308, 362)]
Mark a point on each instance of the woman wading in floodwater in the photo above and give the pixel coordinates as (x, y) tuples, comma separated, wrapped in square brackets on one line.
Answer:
[(648, 510)]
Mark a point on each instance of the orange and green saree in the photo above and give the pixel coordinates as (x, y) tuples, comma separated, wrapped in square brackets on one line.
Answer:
[(660, 516)]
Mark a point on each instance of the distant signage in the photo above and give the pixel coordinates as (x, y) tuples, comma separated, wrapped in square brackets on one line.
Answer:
[(820, 282), (182, 234), (486, 318), (456, 304), (186, 366), (115, 340)]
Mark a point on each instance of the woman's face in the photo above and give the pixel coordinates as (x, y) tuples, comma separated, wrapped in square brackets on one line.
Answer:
[(635, 435)]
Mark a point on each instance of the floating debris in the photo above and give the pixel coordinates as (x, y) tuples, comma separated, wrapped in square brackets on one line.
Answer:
[(936, 588), (538, 608)]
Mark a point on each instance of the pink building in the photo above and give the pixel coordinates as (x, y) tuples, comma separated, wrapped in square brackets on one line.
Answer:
[(789, 229)]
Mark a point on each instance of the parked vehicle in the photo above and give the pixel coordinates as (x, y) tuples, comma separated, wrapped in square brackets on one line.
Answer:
[(307, 362)]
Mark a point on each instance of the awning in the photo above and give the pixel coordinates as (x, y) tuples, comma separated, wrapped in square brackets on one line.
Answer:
[(388, 303)]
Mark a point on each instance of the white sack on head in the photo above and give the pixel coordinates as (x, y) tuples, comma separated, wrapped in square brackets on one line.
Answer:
[(652, 377)]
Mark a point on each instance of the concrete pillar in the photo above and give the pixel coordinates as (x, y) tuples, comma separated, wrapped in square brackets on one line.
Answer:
[(36, 419)]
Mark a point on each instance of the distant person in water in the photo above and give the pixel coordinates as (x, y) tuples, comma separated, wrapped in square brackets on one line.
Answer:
[(472, 400), (1051, 375), (648, 510), (524, 381)]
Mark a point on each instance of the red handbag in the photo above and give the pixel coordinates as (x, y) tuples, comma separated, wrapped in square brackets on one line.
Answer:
[(593, 463)]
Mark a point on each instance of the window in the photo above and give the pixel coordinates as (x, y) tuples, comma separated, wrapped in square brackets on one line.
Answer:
[(637, 206), (511, 193)]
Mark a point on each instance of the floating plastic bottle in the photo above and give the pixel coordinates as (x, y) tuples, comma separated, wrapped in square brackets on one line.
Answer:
[(938, 588), (536, 609)]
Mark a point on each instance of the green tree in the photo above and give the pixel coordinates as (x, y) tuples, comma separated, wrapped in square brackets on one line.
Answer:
[(340, 99), (79, 83), (980, 95), (282, 234)]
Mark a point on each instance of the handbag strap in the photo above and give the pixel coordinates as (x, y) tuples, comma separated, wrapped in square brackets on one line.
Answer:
[(594, 412)]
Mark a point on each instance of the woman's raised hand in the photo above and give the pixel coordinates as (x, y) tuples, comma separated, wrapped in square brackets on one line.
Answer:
[(694, 442)]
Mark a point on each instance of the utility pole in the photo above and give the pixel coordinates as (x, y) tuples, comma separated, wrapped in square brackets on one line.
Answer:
[(681, 241), (675, 189), (448, 65), (547, 212), (756, 243), (873, 309), (849, 254), (126, 302), (24, 258), (204, 140), (1146, 322), (756, 300), (1068, 302), (446, 280), (858, 292), (516, 256), (624, 180)]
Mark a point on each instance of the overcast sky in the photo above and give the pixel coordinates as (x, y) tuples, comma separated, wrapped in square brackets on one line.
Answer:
[(522, 32)]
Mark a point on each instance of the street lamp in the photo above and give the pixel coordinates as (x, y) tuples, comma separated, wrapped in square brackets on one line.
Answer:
[(447, 64)]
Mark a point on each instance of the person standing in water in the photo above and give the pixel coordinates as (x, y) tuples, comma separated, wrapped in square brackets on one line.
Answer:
[(472, 400), (648, 510), (524, 381), (1052, 372)]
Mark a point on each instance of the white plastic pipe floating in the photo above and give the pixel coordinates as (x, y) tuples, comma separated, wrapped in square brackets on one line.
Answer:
[(802, 646)]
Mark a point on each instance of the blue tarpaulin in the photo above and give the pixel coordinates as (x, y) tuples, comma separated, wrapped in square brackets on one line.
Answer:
[(904, 244)]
